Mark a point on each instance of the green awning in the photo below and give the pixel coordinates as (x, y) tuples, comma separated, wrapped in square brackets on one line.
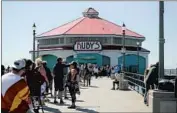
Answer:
[(87, 58)]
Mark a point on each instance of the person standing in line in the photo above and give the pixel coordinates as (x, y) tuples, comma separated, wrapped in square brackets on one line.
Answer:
[(90, 68), (82, 71), (49, 77), (86, 75), (73, 65), (2, 70), (95, 71), (40, 68), (73, 85), (34, 80), (8, 69), (15, 91), (58, 79), (65, 72), (108, 69)]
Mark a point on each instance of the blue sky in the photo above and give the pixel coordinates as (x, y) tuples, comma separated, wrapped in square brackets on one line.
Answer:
[(141, 17)]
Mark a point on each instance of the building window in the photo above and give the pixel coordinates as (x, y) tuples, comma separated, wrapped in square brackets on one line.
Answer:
[(117, 40), (49, 41), (53, 41), (105, 40), (61, 40), (71, 40)]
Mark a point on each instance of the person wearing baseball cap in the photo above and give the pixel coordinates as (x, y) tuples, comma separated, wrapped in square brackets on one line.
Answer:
[(15, 91)]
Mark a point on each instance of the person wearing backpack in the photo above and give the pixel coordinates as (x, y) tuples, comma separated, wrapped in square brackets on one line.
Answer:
[(34, 80)]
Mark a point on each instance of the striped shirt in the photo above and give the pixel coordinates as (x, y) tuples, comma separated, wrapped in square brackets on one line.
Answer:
[(15, 94)]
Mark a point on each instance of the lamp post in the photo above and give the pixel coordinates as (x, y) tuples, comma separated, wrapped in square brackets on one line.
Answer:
[(138, 44), (161, 40), (123, 47), (37, 48), (34, 33)]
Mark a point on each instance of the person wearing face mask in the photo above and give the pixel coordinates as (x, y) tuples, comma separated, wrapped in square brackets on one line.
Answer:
[(15, 91), (73, 85)]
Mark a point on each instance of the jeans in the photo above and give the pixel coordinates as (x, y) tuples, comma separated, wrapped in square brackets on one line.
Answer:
[(72, 91), (147, 87)]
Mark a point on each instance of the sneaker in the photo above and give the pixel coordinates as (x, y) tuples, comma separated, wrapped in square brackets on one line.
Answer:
[(61, 102), (42, 102), (47, 100), (72, 107), (113, 89), (55, 102)]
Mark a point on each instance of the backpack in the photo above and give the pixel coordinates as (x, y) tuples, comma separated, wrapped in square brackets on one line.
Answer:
[(166, 85)]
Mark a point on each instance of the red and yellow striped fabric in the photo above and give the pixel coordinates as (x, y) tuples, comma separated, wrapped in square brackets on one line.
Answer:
[(15, 99)]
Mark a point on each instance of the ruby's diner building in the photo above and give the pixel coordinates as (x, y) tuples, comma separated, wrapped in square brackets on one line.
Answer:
[(92, 39)]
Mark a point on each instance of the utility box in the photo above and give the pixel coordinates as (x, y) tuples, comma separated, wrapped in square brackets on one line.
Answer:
[(162, 101), (123, 84)]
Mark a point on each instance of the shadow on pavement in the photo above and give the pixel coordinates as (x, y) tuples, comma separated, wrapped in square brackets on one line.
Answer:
[(52, 110), (86, 110), (94, 86), (77, 100), (83, 87), (59, 104)]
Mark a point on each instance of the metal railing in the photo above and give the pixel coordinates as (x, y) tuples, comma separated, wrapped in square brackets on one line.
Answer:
[(136, 82), (170, 72)]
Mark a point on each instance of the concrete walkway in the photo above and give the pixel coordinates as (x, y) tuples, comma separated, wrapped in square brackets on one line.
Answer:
[(100, 98)]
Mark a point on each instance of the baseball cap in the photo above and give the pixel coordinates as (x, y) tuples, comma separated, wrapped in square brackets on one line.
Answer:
[(19, 64)]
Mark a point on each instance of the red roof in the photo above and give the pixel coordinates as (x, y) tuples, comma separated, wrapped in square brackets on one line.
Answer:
[(89, 26)]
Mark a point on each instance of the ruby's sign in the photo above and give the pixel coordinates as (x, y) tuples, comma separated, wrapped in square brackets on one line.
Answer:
[(88, 46)]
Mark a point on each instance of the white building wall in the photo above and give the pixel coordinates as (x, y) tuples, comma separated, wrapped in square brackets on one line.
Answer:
[(113, 54)]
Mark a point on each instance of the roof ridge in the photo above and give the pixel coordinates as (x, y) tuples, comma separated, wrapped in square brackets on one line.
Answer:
[(75, 25), (121, 26), (60, 26)]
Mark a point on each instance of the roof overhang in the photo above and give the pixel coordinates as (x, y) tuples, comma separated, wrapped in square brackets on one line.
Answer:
[(89, 35), (45, 50)]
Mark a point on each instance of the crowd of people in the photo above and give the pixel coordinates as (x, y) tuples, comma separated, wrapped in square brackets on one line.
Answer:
[(28, 83)]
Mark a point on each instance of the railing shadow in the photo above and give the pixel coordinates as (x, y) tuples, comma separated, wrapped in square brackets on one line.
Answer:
[(51, 110)]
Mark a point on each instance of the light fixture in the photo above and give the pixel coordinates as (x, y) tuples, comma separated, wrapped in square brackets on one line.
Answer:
[(34, 26), (123, 27)]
